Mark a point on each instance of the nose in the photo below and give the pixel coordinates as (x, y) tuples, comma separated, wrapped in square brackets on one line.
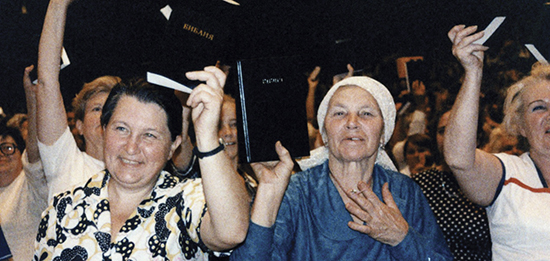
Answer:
[(132, 145), (352, 121)]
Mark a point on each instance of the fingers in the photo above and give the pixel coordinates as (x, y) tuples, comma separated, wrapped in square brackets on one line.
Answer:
[(452, 33), (387, 196), (27, 79), (350, 70), (314, 75)]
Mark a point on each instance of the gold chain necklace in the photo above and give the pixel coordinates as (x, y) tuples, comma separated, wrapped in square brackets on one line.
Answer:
[(355, 190)]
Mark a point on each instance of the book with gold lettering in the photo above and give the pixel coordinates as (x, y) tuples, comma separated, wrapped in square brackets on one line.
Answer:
[(271, 107), (196, 36)]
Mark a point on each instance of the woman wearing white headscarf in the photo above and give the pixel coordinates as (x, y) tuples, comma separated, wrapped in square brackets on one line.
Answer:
[(351, 204)]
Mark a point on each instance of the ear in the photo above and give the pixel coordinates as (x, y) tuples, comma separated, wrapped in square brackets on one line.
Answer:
[(79, 126), (175, 144)]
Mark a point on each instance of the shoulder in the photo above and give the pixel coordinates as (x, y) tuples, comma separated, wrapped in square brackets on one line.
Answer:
[(517, 166)]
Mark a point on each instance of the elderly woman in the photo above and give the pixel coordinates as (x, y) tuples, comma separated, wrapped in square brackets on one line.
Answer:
[(133, 209), (514, 189), (353, 206)]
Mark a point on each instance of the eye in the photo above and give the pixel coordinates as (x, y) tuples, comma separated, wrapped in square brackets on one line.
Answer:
[(338, 113), (538, 107), (150, 135), (97, 108), (365, 113)]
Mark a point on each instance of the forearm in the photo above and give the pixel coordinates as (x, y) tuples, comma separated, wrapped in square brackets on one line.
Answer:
[(310, 101), (227, 201), (184, 154), (51, 115), (266, 205), (33, 155), (461, 131)]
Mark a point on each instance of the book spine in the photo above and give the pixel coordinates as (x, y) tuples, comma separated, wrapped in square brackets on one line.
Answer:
[(242, 99)]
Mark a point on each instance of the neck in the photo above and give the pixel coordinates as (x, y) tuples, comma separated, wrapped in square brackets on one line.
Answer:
[(347, 175), (94, 151), (543, 164)]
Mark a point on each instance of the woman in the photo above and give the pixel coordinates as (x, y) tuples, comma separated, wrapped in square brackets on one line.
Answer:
[(463, 223), (64, 164), (513, 189), (352, 206), (23, 194), (136, 210), (418, 153), (228, 132)]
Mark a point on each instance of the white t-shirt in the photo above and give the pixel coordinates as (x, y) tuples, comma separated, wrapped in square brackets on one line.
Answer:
[(65, 165), (519, 217), (21, 206)]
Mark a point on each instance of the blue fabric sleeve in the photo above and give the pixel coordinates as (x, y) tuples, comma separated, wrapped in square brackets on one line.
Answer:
[(424, 241), (4, 248), (258, 244)]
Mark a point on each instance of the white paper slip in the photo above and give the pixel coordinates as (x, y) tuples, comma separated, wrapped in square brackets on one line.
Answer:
[(535, 52), (491, 28), (166, 82), (166, 11), (64, 58)]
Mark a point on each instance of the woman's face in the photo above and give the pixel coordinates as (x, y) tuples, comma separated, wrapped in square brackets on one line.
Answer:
[(90, 126), (353, 124), (418, 158), (10, 164), (137, 143), (536, 117), (228, 129)]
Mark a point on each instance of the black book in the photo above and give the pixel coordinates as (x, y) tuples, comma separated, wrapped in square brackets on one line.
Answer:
[(271, 107), (195, 36)]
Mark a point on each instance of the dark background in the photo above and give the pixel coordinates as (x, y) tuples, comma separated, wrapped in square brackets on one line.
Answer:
[(120, 37)]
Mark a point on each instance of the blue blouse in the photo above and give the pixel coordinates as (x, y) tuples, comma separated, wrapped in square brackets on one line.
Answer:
[(312, 224)]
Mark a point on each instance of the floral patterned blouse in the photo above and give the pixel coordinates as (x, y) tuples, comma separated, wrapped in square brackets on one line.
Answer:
[(77, 225)]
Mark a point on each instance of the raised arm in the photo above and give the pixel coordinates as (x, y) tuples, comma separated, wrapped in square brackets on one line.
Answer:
[(313, 82), (226, 222), (183, 155), (33, 155), (477, 172), (51, 115)]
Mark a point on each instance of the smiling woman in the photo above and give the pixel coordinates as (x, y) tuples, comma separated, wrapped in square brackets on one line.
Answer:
[(514, 189), (134, 209), (353, 206)]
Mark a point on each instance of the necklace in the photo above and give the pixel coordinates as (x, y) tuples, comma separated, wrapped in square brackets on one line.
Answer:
[(355, 190)]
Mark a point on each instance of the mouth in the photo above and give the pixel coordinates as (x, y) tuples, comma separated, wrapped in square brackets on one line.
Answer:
[(230, 143), (129, 162)]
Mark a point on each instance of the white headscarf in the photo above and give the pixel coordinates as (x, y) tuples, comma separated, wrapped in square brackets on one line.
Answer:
[(387, 106)]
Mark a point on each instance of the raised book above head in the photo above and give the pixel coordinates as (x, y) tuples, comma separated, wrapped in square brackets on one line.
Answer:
[(195, 37), (271, 107)]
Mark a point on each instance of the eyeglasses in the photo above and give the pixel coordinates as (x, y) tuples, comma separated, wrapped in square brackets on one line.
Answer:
[(8, 148)]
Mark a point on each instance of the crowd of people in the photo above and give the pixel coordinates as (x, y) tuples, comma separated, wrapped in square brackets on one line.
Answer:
[(448, 165)]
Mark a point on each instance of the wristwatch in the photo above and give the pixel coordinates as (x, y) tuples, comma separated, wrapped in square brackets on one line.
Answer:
[(210, 153)]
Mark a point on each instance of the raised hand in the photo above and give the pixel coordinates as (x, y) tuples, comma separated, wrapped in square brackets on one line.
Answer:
[(273, 179), (383, 221), (465, 50), (206, 100)]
